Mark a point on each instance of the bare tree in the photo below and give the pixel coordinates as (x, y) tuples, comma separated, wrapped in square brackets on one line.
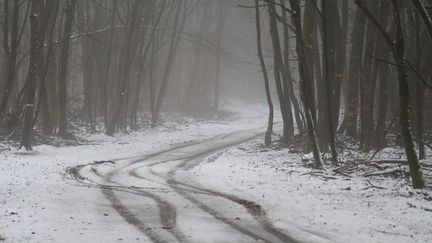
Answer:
[(328, 62), (305, 81), (62, 85), (281, 77), (32, 74), (10, 46), (267, 138), (397, 48), (128, 56)]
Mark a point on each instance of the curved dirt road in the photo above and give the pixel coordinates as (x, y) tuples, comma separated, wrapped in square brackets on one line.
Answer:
[(156, 194)]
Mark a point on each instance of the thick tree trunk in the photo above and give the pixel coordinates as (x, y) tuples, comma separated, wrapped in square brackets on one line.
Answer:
[(87, 68), (49, 16), (367, 82), (404, 99), (349, 124), (328, 62), (379, 138), (105, 57), (290, 82), (398, 50), (425, 16), (11, 50), (62, 86), (305, 82), (404, 120), (32, 74), (309, 40), (172, 52), (340, 49), (49, 100), (281, 78), (127, 57), (419, 87), (333, 66)]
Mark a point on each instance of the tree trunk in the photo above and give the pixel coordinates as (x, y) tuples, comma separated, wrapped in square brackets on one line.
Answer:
[(49, 14), (281, 78), (305, 82), (267, 138), (174, 43), (62, 86), (309, 40), (425, 16), (328, 62), (404, 99), (87, 68), (32, 74), (220, 25), (11, 51), (398, 50), (290, 82), (368, 78), (127, 57), (379, 138), (349, 124)]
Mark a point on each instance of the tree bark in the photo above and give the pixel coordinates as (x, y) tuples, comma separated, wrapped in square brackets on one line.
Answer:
[(219, 32), (290, 82), (328, 62), (11, 50), (127, 57), (62, 86), (280, 78), (305, 82), (398, 50), (349, 124), (425, 16), (174, 43), (267, 138), (32, 74)]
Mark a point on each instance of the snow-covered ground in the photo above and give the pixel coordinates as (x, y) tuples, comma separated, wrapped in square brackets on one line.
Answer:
[(40, 203), (308, 203)]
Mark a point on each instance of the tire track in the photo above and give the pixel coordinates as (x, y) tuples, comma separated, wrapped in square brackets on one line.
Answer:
[(252, 208), (167, 211)]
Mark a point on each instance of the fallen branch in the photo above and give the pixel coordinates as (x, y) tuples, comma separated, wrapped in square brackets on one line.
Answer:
[(319, 174), (373, 186), (394, 172), (403, 162), (338, 171)]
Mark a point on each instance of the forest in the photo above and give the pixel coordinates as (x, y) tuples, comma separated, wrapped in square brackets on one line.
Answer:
[(101, 61), (340, 80)]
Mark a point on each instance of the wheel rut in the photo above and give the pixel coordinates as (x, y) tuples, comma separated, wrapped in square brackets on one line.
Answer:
[(157, 171)]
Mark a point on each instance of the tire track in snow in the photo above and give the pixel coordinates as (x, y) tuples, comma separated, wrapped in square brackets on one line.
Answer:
[(167, 211), (252, 208)]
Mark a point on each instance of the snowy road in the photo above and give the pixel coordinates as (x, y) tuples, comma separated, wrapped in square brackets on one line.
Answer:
[(203, 181), (156, 194)]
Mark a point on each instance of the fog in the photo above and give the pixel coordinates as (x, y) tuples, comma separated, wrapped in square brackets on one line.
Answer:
[(215, 121), (116, 65)]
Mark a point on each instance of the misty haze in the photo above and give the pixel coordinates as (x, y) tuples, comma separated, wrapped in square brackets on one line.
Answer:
[(216, 121)]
